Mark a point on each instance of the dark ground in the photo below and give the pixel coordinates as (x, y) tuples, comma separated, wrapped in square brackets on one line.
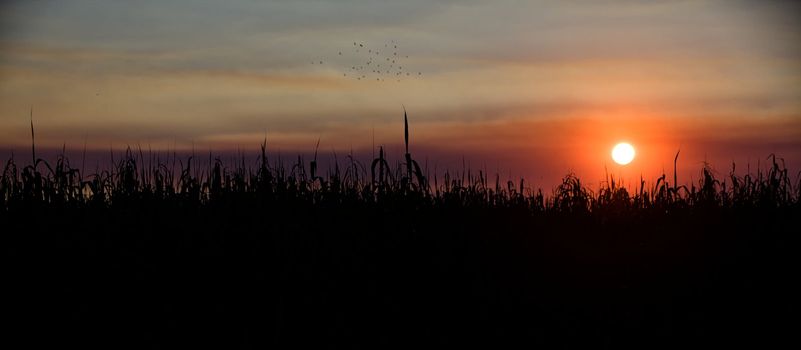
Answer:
[(247, 273)]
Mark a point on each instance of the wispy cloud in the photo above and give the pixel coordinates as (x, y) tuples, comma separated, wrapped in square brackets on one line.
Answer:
[(497, 77)]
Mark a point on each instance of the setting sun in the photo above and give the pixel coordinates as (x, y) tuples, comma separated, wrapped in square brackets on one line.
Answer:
[(623, 153)]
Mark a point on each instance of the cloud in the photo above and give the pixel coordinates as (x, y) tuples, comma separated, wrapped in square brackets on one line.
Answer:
[(519, 81)]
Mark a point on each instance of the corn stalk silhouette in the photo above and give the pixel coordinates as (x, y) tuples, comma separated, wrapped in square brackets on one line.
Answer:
[(131, 178)]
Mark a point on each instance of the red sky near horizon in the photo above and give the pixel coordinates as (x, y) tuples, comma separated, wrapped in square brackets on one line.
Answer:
[(534, 89)]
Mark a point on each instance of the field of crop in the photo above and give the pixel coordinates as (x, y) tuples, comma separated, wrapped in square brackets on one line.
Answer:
[(154, 253)]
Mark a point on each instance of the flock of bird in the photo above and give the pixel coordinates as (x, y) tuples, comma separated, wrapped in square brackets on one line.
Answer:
[(373, 63)]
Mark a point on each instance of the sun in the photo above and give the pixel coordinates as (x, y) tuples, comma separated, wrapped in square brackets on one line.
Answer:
[(623, 153)]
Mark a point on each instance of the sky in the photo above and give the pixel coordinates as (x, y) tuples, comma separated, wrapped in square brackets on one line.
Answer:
[(521, 88)]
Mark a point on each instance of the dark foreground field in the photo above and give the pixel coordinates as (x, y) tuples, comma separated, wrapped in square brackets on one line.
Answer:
[(372, 256)]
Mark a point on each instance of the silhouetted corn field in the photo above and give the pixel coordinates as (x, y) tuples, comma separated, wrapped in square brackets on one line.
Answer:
[(147, 177), (158, 252)]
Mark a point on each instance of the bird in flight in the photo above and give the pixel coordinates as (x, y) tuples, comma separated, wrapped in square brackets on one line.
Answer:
[(393, 67)]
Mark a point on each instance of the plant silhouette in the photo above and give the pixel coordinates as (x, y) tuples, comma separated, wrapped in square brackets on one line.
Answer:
[(157, 253)]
